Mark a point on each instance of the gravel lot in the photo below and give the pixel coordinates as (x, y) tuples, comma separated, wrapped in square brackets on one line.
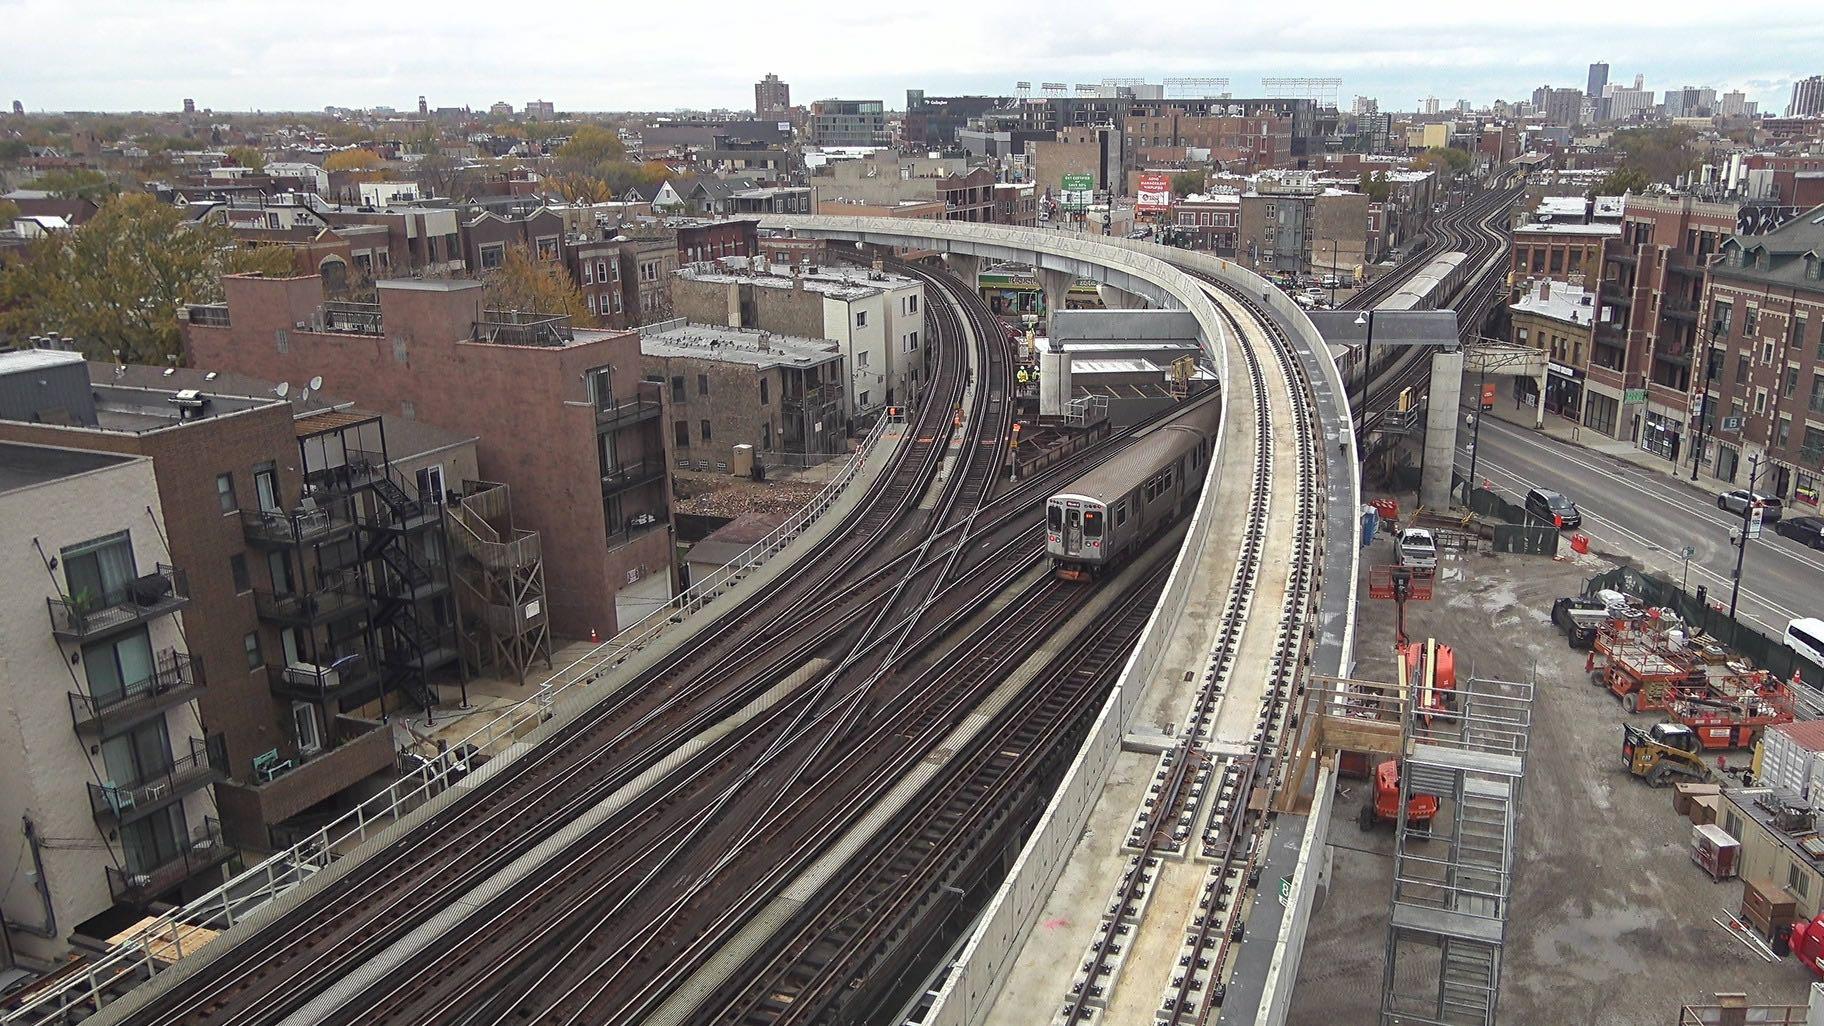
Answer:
[(1612, 920)]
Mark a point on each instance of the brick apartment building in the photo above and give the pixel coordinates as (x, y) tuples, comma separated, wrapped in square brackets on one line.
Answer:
[(781, 394), (1246, 143), (1564, 252), (304, 643), (1652, 282), (560, 413), (623, 271), (1764, 307)]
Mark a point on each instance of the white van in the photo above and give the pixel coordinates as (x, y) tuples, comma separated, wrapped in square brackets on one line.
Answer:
[(1417, 548), (1806, 637)]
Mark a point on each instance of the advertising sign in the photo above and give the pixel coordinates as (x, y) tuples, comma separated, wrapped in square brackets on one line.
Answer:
[(1755, 517), (1078, 192), (1154, 194)]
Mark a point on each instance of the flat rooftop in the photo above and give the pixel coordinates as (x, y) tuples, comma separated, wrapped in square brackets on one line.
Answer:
[(746, 346), (845, 281), (23, 466)]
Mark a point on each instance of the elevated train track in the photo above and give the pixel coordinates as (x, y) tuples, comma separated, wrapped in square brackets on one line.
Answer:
[(662, 829)]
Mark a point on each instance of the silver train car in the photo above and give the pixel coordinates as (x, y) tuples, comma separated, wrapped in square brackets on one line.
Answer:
[(1424, 290), (1107, 514)]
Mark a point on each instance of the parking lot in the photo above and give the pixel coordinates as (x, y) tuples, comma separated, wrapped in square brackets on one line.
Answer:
[(1611, 919)]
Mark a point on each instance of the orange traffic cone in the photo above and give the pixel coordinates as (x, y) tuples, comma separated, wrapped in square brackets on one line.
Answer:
[(592, 636)]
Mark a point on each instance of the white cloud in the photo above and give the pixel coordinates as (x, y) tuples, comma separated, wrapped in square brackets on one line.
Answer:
[(626, 55)]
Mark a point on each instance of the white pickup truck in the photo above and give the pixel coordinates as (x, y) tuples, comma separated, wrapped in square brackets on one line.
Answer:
[(1417, 548)]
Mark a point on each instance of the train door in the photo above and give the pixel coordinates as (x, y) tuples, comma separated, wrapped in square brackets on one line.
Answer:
[(1092, 529), (1073, 532)]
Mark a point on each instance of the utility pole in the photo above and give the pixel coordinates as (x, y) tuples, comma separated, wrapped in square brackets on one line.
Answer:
[(1703, 406), (1741, 541), (1475, 438), (1332, 274)]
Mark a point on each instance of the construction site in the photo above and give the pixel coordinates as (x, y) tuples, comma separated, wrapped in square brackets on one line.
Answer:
[(1558, 867)]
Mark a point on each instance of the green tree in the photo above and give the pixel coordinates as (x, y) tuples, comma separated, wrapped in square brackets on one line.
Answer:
[(14, 149), (248, 157), (117, 283), (1443, 158), (77, 183), (1375, 187), (1622, 179), (525, 284), (8, 211), (1187, 183), (1661, 152), (590, 150)]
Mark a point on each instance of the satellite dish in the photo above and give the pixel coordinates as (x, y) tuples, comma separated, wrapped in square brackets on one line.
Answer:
[(281, 389), (170, 371), (316, 383), (304, 396), (210, 376)]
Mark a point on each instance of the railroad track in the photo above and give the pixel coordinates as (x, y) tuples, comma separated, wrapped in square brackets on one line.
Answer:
[(1202, 768), (384, 898)]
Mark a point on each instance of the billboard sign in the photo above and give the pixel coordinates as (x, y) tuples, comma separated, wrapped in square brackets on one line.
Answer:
[(1154, 194), (1078, 192)]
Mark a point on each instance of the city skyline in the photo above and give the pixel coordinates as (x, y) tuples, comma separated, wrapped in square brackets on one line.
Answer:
[(1398, 56)]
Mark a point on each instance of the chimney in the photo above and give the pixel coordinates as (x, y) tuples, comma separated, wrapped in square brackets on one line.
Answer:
[(1545, 289)]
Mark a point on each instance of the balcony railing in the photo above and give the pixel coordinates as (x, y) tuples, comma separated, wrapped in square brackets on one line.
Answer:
[(362, 469), (1616, 297), (338, 593), (203, 850), (507, 328), (353, 318), (320, 682), (213, 315), (175, 678), (123, 802), (645, 404), (310, 523), (821, 395), (87, 616), (632, 475), (634, 527)]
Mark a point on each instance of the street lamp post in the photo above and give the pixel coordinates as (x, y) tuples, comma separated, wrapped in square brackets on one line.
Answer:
[(1366, 317), (1475, 438), (1741, 541)]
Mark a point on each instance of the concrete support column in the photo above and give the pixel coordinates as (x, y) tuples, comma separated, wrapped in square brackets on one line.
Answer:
[(1056, 285), (965, 266), (1119, 299), (1441, 429), (1539, 408)]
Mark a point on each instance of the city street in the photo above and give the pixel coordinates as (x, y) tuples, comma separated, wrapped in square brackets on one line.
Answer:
[(1654, 516)]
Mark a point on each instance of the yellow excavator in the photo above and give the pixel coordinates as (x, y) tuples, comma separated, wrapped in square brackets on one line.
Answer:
[(1661, 752)]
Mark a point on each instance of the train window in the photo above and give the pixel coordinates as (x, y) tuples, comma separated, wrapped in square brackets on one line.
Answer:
[(1054, 517), (1120, 513), (1092, 524), (1074, 517), (1165, 480)]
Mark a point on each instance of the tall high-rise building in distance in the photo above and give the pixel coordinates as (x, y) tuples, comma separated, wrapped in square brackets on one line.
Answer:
[(1599, 78), (772, 97), (189, 105), (423, 107), (1807, 98), (1431, 105)]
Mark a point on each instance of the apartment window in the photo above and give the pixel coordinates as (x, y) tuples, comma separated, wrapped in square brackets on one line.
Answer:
[(1721, 314), (237, 569), (702, 384), (305, 728), (119, 666), (862, 400), (703, 429), (547, 248), (224, 492), (1557, 261), (100, 568), (1741, 368), (493, 255), (861, 358), (861, 318), (1760, 402), (1576, 261), (601, 387), (1792, 381), (1795, 335), (614, 271), (1784, 434), (911, 342), (610, 462), (157, 840), (615, 298), (680, 433), (138, 755), (589, 301), (763, 399), (677, 388), (911, 304), (1539, 260), (588, 273), (1751, 320), (250, 643), (1767, 353)]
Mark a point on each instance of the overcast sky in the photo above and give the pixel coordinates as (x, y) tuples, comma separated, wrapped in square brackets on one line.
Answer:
[(623, 54)]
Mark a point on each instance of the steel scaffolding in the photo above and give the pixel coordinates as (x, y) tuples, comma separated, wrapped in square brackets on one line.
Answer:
[(1452, 882)]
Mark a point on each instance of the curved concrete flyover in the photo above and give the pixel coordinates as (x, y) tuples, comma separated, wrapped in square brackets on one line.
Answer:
[(1153, 273)]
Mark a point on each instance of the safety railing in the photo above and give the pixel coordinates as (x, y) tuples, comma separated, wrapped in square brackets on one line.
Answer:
[(165, 938)]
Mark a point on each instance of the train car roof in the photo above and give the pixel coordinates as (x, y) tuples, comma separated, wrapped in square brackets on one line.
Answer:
[(1116, 478)]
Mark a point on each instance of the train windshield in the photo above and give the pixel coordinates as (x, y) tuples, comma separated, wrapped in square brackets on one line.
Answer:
[(1054, 517), (1092, 524)]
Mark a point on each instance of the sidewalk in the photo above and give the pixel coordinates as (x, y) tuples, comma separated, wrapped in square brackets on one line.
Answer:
[(1565, 430)]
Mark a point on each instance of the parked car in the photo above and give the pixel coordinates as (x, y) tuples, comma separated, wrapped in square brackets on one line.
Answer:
[(1804, 530), (1740, 499), (1553, 508), (1579, 618), (1417, 548)]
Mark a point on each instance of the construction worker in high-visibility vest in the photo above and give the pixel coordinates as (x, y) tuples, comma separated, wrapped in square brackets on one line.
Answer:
[(1021, 376)]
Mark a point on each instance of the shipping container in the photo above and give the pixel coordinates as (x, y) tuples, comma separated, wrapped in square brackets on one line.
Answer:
[(1791, 755), (1714, 850)]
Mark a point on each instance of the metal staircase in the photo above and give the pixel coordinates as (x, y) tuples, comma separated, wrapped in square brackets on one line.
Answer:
[(501, 582), (406, 643)]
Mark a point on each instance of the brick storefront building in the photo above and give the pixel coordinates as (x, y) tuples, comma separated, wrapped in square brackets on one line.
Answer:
[(1764, 309), (561, 415)]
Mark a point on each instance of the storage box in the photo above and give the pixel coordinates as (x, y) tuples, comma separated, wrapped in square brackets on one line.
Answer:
[(1714, 850), (1683, 793), (1705, 808), (1768, 907)]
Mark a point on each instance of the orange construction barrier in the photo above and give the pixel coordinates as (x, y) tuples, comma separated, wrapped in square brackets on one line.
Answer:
[(1580, 543)]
